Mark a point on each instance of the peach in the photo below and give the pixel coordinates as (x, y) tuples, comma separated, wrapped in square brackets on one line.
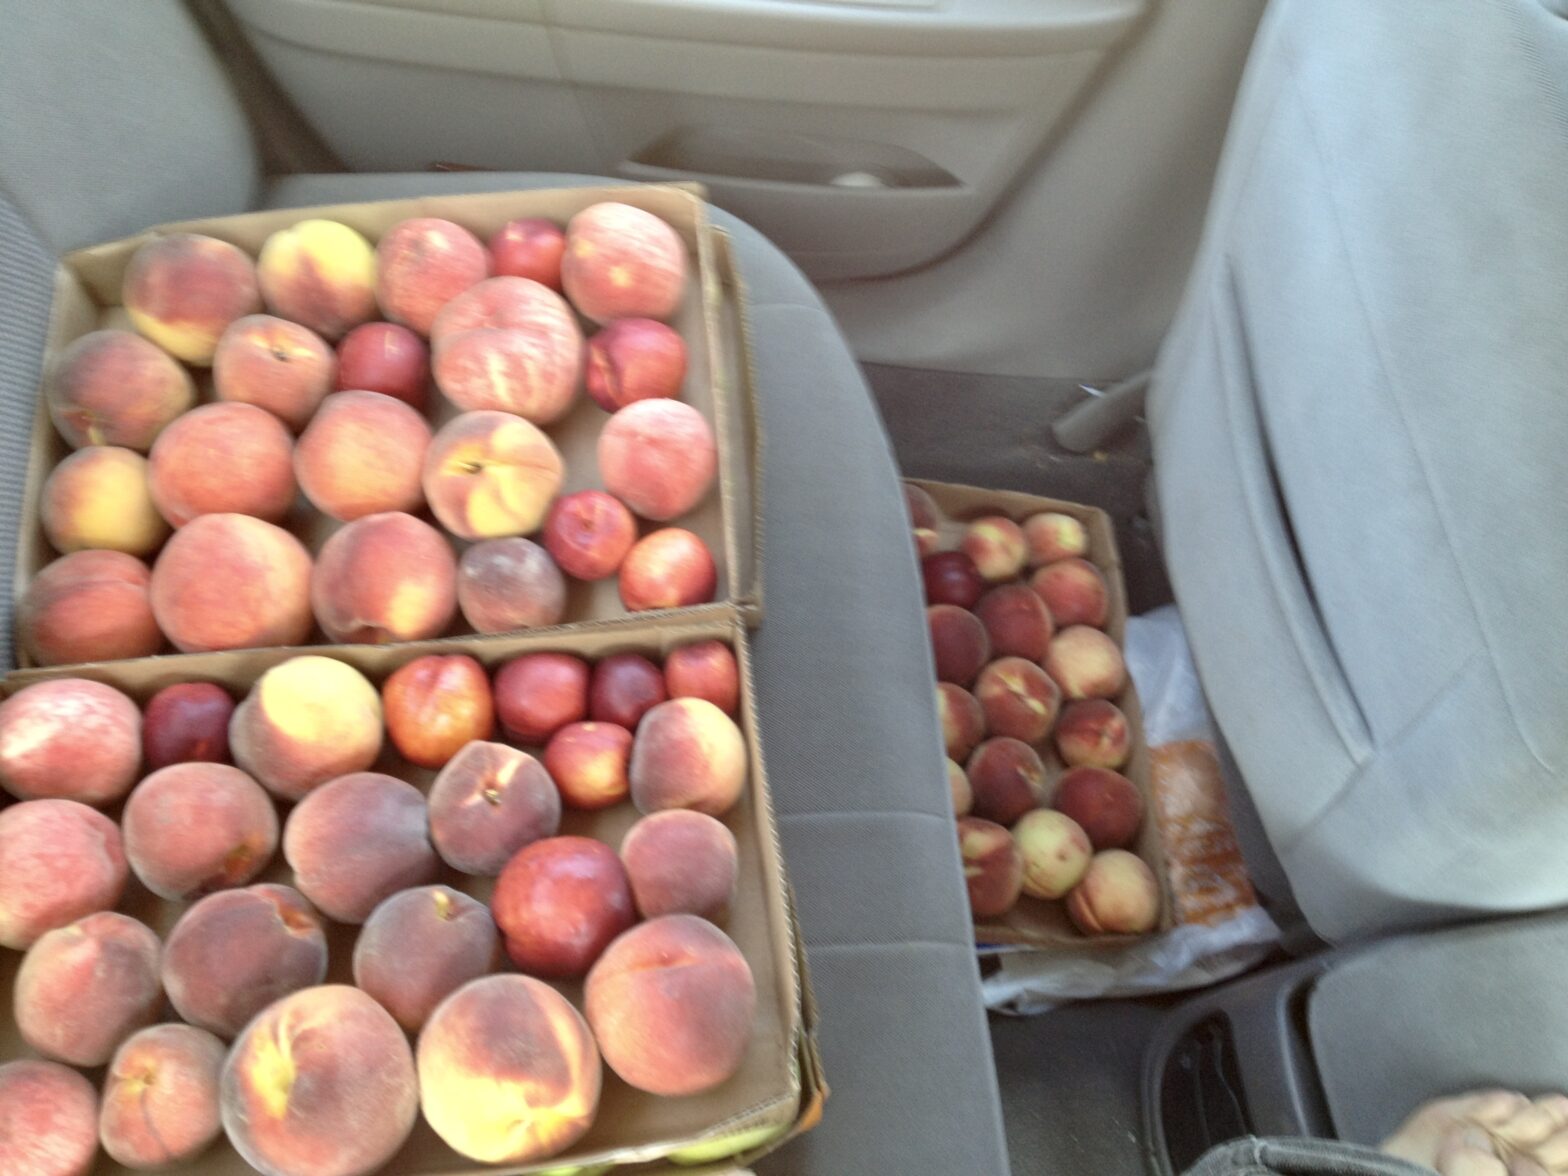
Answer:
[(1055, 850), (1051, 535), (1074, 592), (490, 801), (690, 755), (671, 1003), (319, 273), (1017, 621), (99, 498), (530, 247), (505, 584), (1018, 699), (959, 643), (958, 785), (436, 705), (993, 867), (1103, 802), (508, 344), (950, 577), (539, 693), (421, 265), (235, 952), (84, 988), (187, 723), (1118, 896), (508, 1071), (624, 687), (622, 262), (491, 474), (658, 457), (671, 568), (305, 722), (89, 606), (559, 903), (1085, 663), (362, 454), (588, 762), (707, 670), (1093, 733), (1008, 779), (182, 291), (59, 861), (273, 364), (635, 359), (229, 581), (48, 1119), (385, 358), (69, 739), (963, 721), (589, 534), (997, 546), (680, 863), (223, 459), (357, 840), (420, 946), (384, 577), (320, 1084), (116, 388), (160, 1096), (194, 828)]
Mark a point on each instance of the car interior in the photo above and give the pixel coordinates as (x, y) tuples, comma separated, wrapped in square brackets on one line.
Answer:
[(1278, 284)]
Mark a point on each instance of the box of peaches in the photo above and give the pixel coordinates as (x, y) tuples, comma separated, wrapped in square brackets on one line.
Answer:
[(1045, 751)]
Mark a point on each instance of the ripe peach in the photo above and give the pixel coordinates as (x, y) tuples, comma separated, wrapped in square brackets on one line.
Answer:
[(1018, 698), (559, 903), (1085, 663), (508, 344), (187, 722), (362, 454), (539, 693), (689, 754), (490, 801), (235, 952), (491, 474), (69, 739), (116, 388), (99, 498), (1017, 622), (304, 722), (273, 364), (435, 705), (707, 670), (1118, 896), (194, 828), (1094, 734), (505, 584), (959, 643), (1008, 779), (421, 265), (622, 262), (84, 988), (635, 359), (950, 577), (997, 546), (508, 1071), (963, 721), (589, 534), (59, 861), (160, 1096), (385, 577), (1103, 802), (229, 581), (680, 863), (993, 867), (89, 606), (319, 273), (671, 568), (1055, 850), (182, 291), (658, 457), (588, 763), (420, 946), (357, 840), (958, 785), (48, 1119), (624, 687), (530, 247), (1051, 536), (1074, 592), (321, 1083), (223, 459), (671, 1003), (385, 358)]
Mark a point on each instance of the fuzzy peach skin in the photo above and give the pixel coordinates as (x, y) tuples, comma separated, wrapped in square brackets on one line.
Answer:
[(705, 669), (530, 247), (491, 474), (1093, 733), (48, 1120), (681, 863), (688, 754), (69, 739), (1055, 851), (84, 988), (960, 646), (1106, 804), (420, 946), (385, 358), (1118, 896), (1018, 698), (508, 1071), (385, 577), (1051, 536), (997, 546), (588, 763), (537, 694), (160, 1097), (228, 581), (671, 1003), (1086, 663), (559, 903), (1007, 779), (99, 497), (1074, 592), (59, 861), (993, 867), (191, 829), (89, 606), (435, 706), (658, 457), (624, 687), (319, 273), (1017, 621), (305, 722), (622, 262), (589, 533), (505, 584), (182, 291), (116, 388), (962, 720), (958, 785), (635, 359), (508, 344), (361, 454), (274, 364), (223, 459), (187, 722), (421, 265), (490, 801), (321, 1083), (670, 568)]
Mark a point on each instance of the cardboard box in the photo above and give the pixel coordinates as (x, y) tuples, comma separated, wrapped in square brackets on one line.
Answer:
[(1035, 922), (711, 319)]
